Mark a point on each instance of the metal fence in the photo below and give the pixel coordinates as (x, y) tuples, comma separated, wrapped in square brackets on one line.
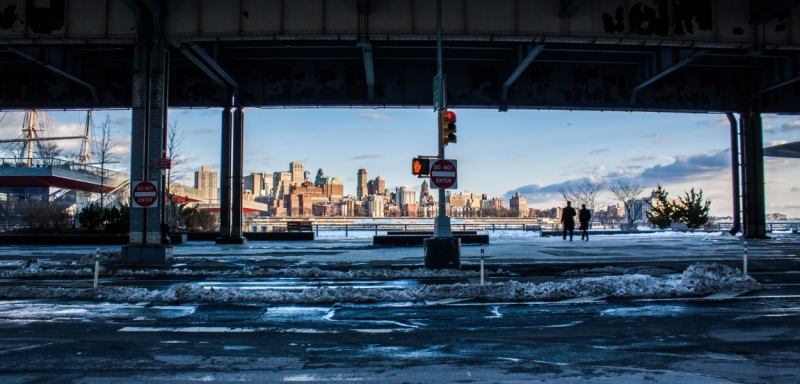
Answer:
[(488, 227)]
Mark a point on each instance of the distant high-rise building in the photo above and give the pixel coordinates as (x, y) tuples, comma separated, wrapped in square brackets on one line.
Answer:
[(375, 206), (281, 181), (206, 180), (361, 189), (519, 204), (298, 172), (377, 186), (425, 193), (406, 196), (320, 177), (256, 182)]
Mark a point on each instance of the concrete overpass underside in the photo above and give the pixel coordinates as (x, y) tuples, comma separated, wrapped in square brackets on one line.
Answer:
[(690, 56), (699, 56)]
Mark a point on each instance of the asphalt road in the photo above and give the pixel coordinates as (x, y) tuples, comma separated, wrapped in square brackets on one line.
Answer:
[(750, 338)]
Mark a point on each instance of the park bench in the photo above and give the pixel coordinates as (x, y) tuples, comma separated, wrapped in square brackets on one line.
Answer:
[(298, 226)]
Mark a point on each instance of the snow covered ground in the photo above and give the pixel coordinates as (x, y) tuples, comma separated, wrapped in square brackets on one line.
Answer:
[(703, 279), (353, 258)]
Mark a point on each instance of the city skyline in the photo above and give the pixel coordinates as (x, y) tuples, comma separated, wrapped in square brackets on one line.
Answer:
[(531, 152)]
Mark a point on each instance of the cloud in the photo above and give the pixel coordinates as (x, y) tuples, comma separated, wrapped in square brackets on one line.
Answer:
[(795, 189), (120, 121), (791, 126), (650, 135), (768, 129), (721, 122), (646, 157), (599, 170), (686, 168), (660, 140), (539, 193), (204, 131), (599, 151), (366, 157), (373, 116), (777, 142)]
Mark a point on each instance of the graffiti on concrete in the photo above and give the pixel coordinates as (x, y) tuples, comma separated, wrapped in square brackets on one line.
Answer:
[(45, 19), (8, 17), (653, 18)]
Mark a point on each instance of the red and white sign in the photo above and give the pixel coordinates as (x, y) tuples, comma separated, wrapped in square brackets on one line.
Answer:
[(444, 174), (144, 194), (164, 163)]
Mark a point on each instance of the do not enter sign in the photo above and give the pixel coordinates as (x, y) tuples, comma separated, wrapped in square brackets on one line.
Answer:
[(144, 194), (444, 174)]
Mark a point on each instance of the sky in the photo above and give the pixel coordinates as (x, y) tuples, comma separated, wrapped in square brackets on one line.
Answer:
[(530, 152)]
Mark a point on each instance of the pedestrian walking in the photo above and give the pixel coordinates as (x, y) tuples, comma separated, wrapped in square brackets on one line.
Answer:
[(584, 215), (568, 220)]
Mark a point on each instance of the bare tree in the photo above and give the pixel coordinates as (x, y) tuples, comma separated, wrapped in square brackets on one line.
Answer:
[(48, 150), (627, 191), (585, 191), (102, 151), (177, 172)]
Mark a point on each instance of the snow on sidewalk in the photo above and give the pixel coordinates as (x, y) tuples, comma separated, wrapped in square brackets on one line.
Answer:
[(700, 279)]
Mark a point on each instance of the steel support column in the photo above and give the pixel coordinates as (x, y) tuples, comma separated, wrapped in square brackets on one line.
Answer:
[(736, 195), (752, 173), (225, 175), (148, 132), (238, 175)]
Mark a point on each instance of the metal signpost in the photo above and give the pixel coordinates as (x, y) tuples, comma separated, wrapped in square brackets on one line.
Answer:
[(442, 251)]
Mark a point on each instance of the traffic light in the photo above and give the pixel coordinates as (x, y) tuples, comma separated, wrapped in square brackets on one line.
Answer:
[(448, 127), (420, 166)]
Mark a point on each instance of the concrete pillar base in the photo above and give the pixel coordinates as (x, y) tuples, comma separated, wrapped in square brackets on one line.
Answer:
[(155, 255), (442, 253), (232, 240)]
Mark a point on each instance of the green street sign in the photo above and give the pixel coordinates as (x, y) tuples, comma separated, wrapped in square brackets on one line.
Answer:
[(437, 93)]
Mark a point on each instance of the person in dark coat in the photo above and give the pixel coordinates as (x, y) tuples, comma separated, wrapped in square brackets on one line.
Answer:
[(584, 215), (568, 220)]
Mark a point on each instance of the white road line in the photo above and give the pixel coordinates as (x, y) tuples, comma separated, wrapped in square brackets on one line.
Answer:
[(581, 300), (187, 329)]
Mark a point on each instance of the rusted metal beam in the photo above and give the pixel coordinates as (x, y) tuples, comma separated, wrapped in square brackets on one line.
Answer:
[(57, 70), (521, 68), (776, 86), (203, 55), (763, 11), (665, 72), (189, 54)]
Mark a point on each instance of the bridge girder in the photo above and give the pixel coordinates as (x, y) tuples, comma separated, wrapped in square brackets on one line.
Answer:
[(337, 53)]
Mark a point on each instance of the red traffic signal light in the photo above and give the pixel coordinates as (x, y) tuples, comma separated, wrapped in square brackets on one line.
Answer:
[(420, 166), (448, 127)]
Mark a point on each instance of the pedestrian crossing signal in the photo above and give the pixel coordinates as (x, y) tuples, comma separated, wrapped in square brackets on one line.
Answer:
[(420, 166)]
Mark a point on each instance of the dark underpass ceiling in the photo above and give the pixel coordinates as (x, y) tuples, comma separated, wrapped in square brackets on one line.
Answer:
[(654, 55)]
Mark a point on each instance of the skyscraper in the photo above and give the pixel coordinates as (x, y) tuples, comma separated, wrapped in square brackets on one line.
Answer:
[(519, 204), (380, 186), (298, 174), (280, 183), (206, 181), (255, 183), (361, 189), (406, 196)]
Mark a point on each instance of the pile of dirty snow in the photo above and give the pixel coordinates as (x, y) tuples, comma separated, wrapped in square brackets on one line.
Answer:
[(701, 279)]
